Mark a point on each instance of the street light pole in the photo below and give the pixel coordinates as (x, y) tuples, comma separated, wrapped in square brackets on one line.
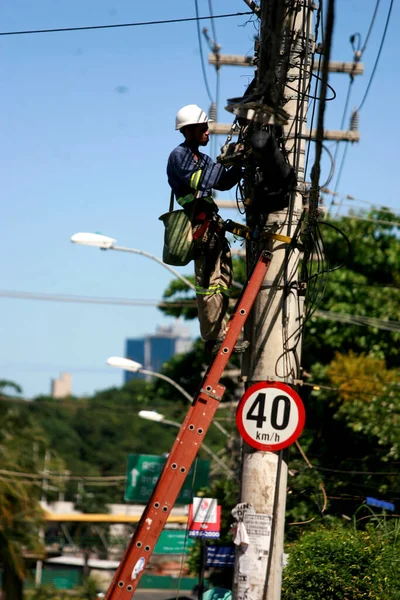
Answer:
[(134, 367), (107, 243), (152, 415)]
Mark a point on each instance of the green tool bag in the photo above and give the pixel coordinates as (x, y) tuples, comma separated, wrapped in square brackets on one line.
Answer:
[(178, 238)]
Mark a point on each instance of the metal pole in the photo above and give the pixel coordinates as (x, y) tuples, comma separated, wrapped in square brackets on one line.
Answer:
[(39, 563), (183, 392), (202, 568), (275, 327)]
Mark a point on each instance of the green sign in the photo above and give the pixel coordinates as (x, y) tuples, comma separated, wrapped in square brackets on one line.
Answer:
[(143, 471), (173, 541)]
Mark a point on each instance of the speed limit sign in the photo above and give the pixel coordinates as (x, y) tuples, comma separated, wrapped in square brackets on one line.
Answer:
[(270, 416)]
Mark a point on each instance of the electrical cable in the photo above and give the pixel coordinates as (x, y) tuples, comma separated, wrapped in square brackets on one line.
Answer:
[(303, 94), (312, 97), (93, 300), (370, 26), (273, 523), (201, 52), (327, 224), (357, 55), (315, 246), (332, 171), (378, 55), (215, 49), (374, 205), (186, 531), (316, 31), (214, 32), (346, 104), (339, 175), (380, 473), (119, 25), (367, 219)]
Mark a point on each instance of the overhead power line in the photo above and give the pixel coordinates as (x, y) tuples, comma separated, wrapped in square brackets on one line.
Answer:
[(92, 300), (357, 56), (360, 320), (116, 25), (377, 56), (373, 205), (370, 26), (203, 68)]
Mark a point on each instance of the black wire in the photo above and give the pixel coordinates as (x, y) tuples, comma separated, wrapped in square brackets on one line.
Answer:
[(346, 239), (352, 81), (339, 175), (371, 26), (214, 33), (330, 270), (317, 22), (317, 286), (332, 171), (316, 293), (312, 74), (346, 104), (313, 97), (201, 52), (138, 24), (217, 74), (378, 55), (273, 523)]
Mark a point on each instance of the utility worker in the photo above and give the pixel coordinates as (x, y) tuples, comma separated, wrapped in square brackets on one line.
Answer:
[(192, 175)]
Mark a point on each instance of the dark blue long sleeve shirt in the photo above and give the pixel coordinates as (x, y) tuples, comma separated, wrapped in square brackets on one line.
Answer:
[(193, 180)]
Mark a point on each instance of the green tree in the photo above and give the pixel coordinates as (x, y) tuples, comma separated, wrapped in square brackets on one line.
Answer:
[(340, 563), (20, 511), (6, 384), (351, 438), (368, 284)]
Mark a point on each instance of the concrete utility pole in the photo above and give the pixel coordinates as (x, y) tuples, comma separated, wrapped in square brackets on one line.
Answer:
[(275, 324)]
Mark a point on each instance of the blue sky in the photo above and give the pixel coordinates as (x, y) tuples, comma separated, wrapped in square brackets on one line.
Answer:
[(87, 123)]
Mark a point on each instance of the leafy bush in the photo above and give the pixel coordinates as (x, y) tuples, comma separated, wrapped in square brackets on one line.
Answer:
[(338, 563), (49, 592)]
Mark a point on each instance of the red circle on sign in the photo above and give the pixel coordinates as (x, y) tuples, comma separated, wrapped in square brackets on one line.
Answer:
[(271, 445)]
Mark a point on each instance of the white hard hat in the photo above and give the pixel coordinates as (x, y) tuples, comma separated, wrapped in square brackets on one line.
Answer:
[(190, 115)]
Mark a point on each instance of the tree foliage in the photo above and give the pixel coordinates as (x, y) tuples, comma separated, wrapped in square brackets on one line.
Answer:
[(352, 438), (20, 511), (368, 284), (335, 562)]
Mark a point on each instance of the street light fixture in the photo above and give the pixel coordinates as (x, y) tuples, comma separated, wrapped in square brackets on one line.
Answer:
[(105, 242), (131, 365), (152, 415)]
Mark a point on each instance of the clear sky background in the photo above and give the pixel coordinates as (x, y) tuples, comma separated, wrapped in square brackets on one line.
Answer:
[(87, 123)]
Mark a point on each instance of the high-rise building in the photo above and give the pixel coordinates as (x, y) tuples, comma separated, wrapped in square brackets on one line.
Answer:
[(153, 350), (62, 387)]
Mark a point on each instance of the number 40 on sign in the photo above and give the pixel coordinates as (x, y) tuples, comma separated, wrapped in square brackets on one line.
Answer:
[(270, 416)]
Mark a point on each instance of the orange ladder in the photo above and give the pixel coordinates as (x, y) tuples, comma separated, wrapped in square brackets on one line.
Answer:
[(185, 448)]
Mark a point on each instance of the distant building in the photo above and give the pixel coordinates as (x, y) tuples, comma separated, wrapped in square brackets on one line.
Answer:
[(62, 387), (153, 350)]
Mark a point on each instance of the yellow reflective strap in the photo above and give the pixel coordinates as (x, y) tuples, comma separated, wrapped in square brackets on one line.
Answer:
[(195, 179), (213, 289), (185, 199)]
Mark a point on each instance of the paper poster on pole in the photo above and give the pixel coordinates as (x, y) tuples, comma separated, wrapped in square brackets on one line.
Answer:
[(253, 556)]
